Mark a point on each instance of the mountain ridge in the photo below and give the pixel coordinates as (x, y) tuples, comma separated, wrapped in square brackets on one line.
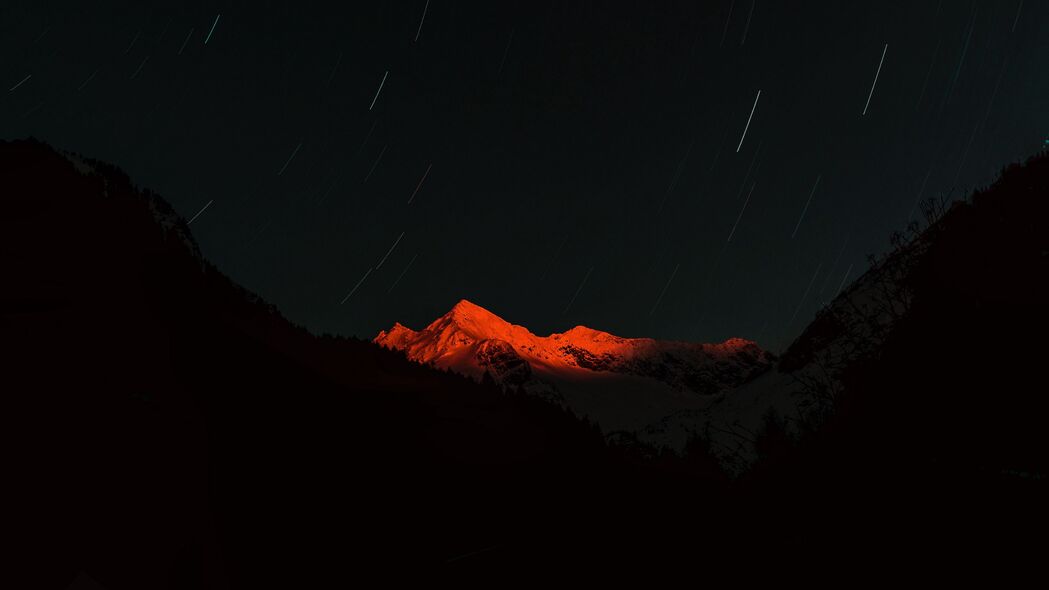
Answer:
[(474, 341), (170, 426)]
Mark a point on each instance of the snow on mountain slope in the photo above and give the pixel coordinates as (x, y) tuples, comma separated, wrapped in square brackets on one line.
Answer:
[(806, 379), (623, 383)]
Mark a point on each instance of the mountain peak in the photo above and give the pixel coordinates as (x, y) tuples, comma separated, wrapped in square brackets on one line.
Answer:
[(473, 320), (468, 322), (585, 333), (581, 366), (468, 308)]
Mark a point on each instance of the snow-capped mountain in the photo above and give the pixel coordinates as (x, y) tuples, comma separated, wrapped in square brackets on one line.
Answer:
[(621, 382)]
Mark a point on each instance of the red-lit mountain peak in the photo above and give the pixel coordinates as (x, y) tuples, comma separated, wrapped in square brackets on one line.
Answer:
[(472, 340), (475, 322), (583, 334)]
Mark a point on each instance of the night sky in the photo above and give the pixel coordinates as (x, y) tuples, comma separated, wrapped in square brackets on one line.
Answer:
[(566, 162)]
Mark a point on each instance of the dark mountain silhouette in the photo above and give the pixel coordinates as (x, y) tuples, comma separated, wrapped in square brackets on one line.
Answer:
[(171, 430), (943, 421)]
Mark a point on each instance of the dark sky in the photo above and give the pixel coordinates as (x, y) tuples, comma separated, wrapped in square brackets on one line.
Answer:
[(577, 155)]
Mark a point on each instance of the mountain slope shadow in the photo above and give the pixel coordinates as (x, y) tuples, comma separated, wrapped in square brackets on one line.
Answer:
[(171, 430), (935, 435), (175, 431)]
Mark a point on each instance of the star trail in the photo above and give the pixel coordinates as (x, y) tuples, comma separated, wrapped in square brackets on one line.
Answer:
[(560, 162)]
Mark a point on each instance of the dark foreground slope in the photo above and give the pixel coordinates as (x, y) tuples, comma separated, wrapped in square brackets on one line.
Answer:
[(169, 429), (937, 437)]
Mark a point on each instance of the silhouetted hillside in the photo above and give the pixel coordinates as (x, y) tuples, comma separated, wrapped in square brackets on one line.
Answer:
[(171, 430), (934, 418)]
